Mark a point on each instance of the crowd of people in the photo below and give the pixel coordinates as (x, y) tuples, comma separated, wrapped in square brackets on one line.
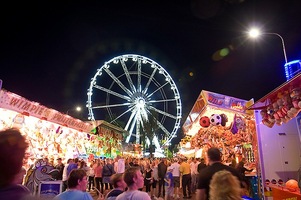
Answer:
[(125, 178)]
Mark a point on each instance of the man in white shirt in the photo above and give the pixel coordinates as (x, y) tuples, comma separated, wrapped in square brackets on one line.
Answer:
[(119, 165), (176, 177), (65, 176), (134, 180), (194, 172)]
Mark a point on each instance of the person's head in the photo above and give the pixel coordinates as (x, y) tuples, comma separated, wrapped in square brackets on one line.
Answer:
[(98, 162), (12, 148), (224, 186), (108, 161), (117, 157), (82, 164), (147, 166), (59, 161), (117, 181), (202, 160), (133, 177), (214, 155), (70, 160), (77, 180), (46, 160)]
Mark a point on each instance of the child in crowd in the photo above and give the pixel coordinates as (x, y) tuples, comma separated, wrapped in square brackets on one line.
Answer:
[(169, 184)]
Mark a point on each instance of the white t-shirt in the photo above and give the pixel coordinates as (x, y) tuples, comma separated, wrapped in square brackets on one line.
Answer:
[(119, 166), (133, 195), (193, 168), (176, 169), (65, 176)]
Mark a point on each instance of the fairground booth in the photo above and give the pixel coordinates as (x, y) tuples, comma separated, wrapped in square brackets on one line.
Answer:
[(222, 121), (265, 133), (278, 121), (52, 134)]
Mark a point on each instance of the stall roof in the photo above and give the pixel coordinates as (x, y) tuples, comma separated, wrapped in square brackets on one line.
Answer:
[(274, 95), (107, 124)]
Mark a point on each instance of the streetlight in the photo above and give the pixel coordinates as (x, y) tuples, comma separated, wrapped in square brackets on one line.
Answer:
[(78, 109), (291, 68), (254, 33)]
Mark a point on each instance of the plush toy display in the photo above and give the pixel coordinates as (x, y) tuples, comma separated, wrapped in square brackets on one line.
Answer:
[(224, 119), (205, 121), (283, 109), (215, 119)]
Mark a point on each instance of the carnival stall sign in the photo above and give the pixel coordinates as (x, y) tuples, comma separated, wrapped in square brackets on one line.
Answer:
[(49, 133)]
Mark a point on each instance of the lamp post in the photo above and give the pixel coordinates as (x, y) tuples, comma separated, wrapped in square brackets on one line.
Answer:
[(291, 68), (255, 33)]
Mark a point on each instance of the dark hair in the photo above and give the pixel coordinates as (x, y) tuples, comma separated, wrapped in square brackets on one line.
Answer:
[(74, 176), (12, 148), (129, 175), (82, 164), (115, 178), (214, 154), (240, 164)]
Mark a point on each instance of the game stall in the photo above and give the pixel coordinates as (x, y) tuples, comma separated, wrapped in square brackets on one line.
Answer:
[(53, 134), (278, 127), (222, 121)]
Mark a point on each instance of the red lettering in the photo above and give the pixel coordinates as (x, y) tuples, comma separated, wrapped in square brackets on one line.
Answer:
[(33, 108), (25, 106), (14, 102)]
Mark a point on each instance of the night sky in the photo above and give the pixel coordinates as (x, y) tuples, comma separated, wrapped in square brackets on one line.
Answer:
[(50, 50)]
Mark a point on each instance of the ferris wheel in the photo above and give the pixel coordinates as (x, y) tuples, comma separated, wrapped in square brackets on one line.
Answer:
[(127, 89)]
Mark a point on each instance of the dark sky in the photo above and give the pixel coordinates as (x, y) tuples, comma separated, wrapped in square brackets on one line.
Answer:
[(50, 50)]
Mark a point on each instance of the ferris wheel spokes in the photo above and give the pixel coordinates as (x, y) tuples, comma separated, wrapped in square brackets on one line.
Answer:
[(159, 88), (161, 100), (113, 105), (133, 114), (128, 77), (162, 112), (138, 125), (122, 114), (149, 81), (164, 130), (112, 92), (118, 81), (139, 76)]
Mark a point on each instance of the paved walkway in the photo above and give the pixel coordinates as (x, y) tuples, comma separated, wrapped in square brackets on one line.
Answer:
[(94, 195)]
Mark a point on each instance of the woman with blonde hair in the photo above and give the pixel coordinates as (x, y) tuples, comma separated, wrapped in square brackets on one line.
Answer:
[(224, 186)]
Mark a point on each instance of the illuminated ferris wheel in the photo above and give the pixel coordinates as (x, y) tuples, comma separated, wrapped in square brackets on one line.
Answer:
[(129, 88)]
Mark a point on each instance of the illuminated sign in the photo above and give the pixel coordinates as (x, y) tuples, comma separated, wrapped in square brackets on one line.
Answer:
[(19, 104)]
